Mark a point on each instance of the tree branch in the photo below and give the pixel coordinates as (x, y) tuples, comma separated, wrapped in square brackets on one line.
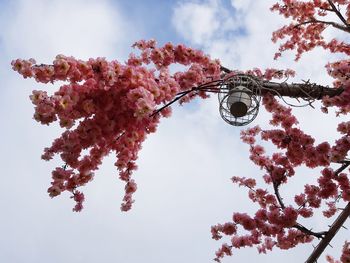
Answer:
[(337, 224), (342, 168), (327, 9), (298, 226), (171, 102), (224, 69), (310, 232), (337, 12), (334, 24), (277, 194), (211, 86), (330, 234)]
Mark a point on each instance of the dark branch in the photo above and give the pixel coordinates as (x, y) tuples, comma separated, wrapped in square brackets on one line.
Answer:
[(224, 69), (342, 168), (171, 102), (330, 234), (277, 194), (337, 12), (211, 86), (327, 9), (309, 232), (337, 224)]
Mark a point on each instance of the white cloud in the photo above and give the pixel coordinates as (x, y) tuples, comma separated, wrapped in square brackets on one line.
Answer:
[(43, 29), (242, 5), (196, 22)]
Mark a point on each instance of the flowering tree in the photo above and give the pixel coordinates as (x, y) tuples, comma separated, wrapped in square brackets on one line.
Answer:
[(106, 106)]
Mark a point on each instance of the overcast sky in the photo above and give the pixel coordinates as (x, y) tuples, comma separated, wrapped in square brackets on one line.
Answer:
[(184, 169)]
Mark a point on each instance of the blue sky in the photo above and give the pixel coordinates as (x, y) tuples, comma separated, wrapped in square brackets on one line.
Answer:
[(152, 17), (184, 169)]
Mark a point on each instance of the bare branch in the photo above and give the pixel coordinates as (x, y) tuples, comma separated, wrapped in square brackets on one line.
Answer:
[(342, 168), (310, 232), (337, 12), (330, 234), (327, 9), (224, 69), (171, 102), (211, 86)]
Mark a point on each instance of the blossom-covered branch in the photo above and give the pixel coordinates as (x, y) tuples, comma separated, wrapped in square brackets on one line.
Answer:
[(106, 106), (304, 33)]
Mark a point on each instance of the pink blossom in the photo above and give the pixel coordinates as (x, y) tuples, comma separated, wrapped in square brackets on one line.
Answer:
[(113, 104)]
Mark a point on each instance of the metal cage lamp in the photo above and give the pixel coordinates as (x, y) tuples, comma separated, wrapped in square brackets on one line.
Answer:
[(239, 99)]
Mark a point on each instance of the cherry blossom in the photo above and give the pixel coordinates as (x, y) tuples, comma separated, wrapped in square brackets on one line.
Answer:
[(106, 106)]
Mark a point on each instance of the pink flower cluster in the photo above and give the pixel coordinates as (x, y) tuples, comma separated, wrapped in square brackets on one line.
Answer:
[(266, 230), (340, 71), (106, 106)]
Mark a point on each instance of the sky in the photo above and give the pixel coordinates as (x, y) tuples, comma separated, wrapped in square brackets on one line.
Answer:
[(185, 168)]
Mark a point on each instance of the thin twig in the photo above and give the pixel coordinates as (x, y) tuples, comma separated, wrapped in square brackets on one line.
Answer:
[(209, 85), (171, 102)]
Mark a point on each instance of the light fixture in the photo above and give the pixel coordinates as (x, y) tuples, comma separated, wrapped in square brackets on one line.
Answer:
[(239, 99)]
